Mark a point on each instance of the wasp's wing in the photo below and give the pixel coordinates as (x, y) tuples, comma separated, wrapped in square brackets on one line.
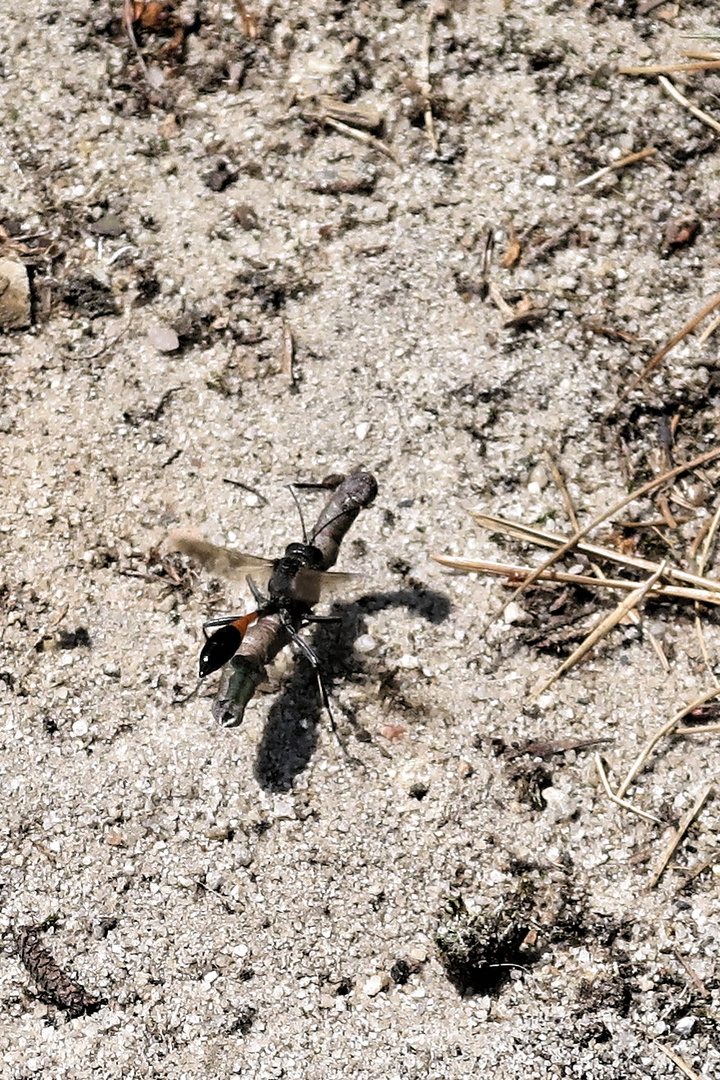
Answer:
[(225, 562), (309, 585)]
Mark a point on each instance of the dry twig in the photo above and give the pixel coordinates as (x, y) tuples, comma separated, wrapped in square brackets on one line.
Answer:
[(572, 542), (692, 975), (424, 81), (709, 330), (670, 69), (660, 734), (700, 54), (361, 136), (127, 20), (662, 353), (675, 94), (529, 534), (516, 573), (629, 159), (632, 615), (677, 837), (603, 627), (617, 799), (676, 1059), (696, 871), (288, 355), (701, 564)]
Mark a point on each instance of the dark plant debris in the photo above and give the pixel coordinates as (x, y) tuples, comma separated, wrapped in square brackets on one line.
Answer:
[(55, 985)]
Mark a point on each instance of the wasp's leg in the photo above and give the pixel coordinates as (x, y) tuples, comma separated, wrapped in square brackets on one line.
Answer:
[(312, 657), (257, 595)]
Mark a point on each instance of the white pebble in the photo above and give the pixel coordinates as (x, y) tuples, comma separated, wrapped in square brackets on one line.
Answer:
[(560, 805), (375, 984), (365, 643), (514, 613), (163, 339)]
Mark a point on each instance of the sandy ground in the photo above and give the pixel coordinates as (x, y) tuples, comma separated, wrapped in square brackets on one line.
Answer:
[(246, 902)]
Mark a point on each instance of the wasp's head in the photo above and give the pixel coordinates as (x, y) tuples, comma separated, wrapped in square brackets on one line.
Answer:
[(307, 554)]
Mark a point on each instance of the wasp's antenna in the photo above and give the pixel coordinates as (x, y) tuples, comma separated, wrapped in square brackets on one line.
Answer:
[(299, 509)]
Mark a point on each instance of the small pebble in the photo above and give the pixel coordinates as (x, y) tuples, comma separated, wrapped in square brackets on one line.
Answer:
[(514, 613), (163, 339), (393, 731), (685, 1025), (375, 984), (243, 857), (284, 808), (560, 805), (365, 643)]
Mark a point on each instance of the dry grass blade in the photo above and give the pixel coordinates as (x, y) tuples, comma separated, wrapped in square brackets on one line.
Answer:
[(517, 573), (615, 166), (701, 564), (570, 508), (670, 69), (675, 94), (361, 136), (698, 729), (568, 545), (660, 734), (677, 837), (529, 534), (425, 87), (662, 353), (681, 1063), (700, 54), (709, 330), (288, 356), (617, 799), (603, 627), (700, 868)]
